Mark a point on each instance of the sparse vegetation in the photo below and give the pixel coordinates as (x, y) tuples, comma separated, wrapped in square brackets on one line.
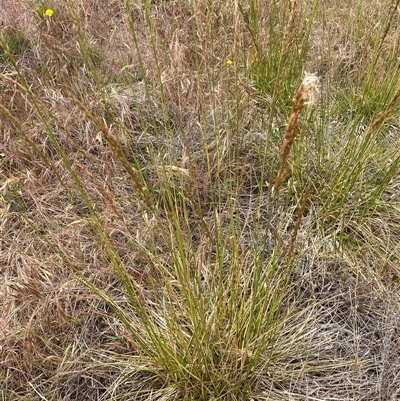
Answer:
[(199, 200)]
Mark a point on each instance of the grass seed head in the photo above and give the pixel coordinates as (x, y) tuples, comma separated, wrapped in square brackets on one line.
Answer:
[(306, 94)]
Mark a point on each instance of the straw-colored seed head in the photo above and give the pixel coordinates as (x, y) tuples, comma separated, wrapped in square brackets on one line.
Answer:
[(304, 95)]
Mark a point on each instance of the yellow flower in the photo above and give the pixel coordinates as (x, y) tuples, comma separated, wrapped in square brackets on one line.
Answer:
[(229, 62), (49, 12)]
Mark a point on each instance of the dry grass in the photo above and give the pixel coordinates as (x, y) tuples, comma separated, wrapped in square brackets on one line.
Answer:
[(303, 94), (142, 255)]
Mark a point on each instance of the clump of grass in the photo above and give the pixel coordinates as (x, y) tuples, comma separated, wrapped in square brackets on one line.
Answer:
[(172, 227)]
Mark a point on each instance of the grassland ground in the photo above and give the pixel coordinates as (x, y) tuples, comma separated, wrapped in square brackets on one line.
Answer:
[(199, 200)]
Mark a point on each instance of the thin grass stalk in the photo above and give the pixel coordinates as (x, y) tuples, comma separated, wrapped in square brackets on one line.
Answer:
[(163, 351), (139, 186), (293, 235), (346, 179), (288, 40), (378, 49)]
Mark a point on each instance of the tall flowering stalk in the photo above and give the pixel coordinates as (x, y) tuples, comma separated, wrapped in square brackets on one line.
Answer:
[(305, 94)]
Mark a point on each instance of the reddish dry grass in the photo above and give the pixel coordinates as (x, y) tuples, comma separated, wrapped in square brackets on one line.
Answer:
[(57, 339)]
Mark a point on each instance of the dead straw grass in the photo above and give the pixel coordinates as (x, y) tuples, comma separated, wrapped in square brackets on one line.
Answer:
[(59, 340)]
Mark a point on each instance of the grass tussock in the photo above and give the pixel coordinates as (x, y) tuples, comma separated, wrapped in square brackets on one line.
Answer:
[(180, 219)]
